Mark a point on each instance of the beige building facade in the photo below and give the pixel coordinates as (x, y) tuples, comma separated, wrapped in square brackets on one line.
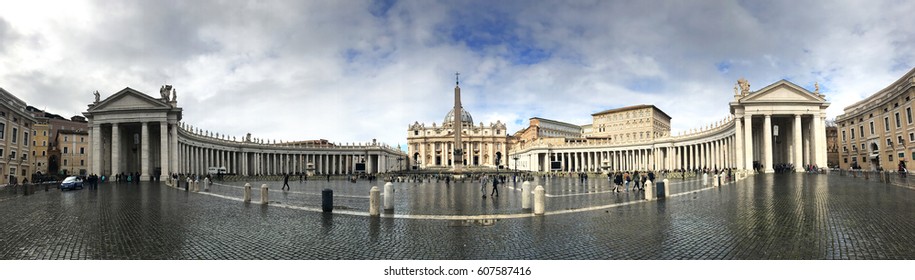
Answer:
[(16, 125), (632, 123), (72, 149), (878, 132)]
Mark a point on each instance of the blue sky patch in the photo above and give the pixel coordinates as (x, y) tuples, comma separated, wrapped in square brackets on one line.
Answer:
[(723, 67)]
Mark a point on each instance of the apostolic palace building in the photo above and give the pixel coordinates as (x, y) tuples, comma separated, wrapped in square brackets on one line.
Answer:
[(781, 123)]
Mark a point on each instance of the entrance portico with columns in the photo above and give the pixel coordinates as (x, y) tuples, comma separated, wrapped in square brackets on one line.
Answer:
[(782, 123), (132, 132)]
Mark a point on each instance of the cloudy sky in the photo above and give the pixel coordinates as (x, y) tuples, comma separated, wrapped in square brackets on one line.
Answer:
[(357, 70)]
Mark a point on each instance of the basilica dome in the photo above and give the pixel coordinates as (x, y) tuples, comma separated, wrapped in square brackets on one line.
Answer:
[(465, 117)]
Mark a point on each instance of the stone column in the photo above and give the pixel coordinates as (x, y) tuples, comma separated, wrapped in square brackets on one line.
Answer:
[(767, 143), (163, 150), (144, 152), (798, 150), (748, 141), (173, 147), (96, 148), (115, 149), (819, 133)]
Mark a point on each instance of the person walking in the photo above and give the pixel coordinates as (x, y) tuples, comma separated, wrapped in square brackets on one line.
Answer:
[(285, 181), (495, 188), (626, 179)]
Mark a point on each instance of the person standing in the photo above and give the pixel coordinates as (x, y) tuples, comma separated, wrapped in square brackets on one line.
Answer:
[(483, 182)]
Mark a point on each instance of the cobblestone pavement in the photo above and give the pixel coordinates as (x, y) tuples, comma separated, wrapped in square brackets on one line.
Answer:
[(765, 217)]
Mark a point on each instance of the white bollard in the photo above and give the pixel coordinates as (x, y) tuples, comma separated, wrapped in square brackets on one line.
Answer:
[(715, 181), (247, 192), (666, 188), (374, 197), (206, 184), (704, 179), (265, 194), (539, 200), (196, 186), (388, 196), (526, 195), (649, 191)]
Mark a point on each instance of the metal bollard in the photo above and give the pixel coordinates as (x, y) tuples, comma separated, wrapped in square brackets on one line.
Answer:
[(666, 188), (327, 200), (374, 196), (265, 194), (388, 196), (715, 181), (526, 195), (649, 191), (539, 200), (247, 192)]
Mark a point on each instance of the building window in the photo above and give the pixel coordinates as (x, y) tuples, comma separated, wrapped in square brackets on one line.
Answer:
[(899, 139), (82, 163), (872, 128), (65, 163), (898, 122), (65, 149), (82, 139), (862, 147), (44, 133), (82, 150), (25, 138), (901, 156), (34, 132), (845, 160), (1, 152), (66, 139), (861, 131), (891, 157), (15, 132), (889, 142), (908, 115), (2, 130), (852, 133), (886, 123), (911, 137), (43, 153), (44, 143)]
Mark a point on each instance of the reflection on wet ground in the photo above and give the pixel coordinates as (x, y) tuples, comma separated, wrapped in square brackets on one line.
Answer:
[(454, 198), (784, 216)]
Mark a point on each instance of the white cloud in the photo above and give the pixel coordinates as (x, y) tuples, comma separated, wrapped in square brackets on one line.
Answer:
[(351, 71)]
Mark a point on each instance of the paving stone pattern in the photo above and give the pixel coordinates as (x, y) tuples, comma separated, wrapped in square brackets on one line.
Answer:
[(765, 217)]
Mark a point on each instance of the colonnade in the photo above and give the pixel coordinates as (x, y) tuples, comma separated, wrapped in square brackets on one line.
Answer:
[(199, 153), (711, 153)]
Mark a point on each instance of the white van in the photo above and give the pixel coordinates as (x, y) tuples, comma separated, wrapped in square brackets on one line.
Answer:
[(216, 170)]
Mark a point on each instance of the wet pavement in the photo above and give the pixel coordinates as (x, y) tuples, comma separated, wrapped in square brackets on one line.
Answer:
[(794, 216)]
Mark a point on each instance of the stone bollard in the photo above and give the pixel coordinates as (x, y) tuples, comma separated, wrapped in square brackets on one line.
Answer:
[(247, 192), (188, 185), (526, 195), (265, 194), (649, 191), (866, 176), (327, 200), (539, 200), (388, 196), (374, 196), (715, 181), (704, 179), (206, 184), (666, 188)]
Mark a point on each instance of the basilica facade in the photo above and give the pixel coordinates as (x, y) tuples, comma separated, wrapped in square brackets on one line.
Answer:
[(433, 146)]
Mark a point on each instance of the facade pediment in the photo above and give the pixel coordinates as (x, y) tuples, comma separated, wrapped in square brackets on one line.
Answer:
[(783, 91), (129, 99)]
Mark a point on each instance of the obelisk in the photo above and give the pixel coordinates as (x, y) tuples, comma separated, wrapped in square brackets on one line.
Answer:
[(457, 126)]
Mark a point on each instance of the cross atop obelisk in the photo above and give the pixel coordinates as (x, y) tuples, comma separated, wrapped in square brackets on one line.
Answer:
[(457, 126)]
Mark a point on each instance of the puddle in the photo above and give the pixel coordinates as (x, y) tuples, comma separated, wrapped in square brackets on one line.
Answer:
[(473, 222)]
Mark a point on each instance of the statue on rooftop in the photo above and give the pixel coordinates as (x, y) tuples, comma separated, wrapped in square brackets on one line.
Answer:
[(97, 96), (744, 86)]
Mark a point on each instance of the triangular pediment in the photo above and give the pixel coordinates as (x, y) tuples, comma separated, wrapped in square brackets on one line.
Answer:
[(782, 91), (129, 99)]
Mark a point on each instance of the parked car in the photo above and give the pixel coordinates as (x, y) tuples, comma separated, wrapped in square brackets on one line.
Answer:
[(72, 182)]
